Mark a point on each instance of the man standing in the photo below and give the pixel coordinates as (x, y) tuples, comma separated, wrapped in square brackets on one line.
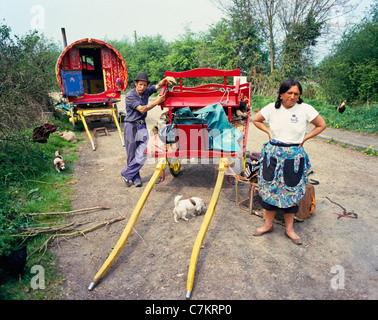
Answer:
[(135, 130)]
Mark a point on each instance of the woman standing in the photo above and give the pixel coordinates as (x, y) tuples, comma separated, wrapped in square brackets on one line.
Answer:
[(283, 174)]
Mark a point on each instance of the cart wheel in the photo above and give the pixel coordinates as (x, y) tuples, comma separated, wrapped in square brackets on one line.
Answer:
[(174, 168)]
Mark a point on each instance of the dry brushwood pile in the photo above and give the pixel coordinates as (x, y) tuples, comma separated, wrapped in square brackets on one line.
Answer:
[(64, 230)]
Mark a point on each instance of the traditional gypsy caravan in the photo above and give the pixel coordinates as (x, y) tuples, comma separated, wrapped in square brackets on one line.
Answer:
[(91, 75)]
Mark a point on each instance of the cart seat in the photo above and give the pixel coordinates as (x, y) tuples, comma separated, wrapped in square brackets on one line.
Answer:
[(203, 95), (199, 100)]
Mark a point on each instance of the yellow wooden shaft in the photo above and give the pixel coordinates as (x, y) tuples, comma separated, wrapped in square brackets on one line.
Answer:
[(82, 118), (117, 125), (130, 225), (205, 225)]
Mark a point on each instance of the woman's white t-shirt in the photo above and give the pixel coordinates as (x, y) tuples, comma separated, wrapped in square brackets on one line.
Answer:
[(289, 125)]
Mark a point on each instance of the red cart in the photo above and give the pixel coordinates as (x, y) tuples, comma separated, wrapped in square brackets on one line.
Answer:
[(190, 134)]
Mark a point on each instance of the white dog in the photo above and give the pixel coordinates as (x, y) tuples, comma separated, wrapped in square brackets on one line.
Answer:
[(188, 208), (59, 163)]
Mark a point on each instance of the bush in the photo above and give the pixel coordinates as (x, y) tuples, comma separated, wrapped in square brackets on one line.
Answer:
[(27, 176), (259, 101), (359, 119), (351, 72), (27, 75)]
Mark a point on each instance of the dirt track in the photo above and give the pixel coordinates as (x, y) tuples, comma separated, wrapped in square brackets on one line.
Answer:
[(232, 264)]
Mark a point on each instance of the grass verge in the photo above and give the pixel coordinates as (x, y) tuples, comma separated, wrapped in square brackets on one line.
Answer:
[(29, 183)]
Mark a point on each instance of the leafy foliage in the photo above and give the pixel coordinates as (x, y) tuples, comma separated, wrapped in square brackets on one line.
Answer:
[(27, 75), (217, 48), (362, 119), (296, 58), (351, 72)]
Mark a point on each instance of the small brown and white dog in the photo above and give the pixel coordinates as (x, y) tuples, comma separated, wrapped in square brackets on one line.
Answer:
[(188, 208), (59, 163)]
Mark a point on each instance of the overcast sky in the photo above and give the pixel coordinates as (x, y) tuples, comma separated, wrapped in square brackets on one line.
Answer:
[(118, 19), (110, 19)]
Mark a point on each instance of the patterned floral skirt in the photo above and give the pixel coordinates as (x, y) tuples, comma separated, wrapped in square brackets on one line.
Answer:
[(282, 176)]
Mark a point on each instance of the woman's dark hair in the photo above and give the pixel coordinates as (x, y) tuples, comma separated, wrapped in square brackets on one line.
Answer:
[(285, 86)]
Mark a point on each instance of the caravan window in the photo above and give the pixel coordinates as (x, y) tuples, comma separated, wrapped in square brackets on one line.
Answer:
[(87, 62)]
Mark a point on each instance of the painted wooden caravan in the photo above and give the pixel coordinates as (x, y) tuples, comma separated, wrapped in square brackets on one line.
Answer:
[(91, 75)]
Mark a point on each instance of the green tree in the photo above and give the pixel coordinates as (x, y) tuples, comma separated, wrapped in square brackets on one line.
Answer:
[(151, 57), (278, 21), (127, 50), (248, 42), (147, 54), (296, 55), (184, 52), (218, 48), (350, 72)]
